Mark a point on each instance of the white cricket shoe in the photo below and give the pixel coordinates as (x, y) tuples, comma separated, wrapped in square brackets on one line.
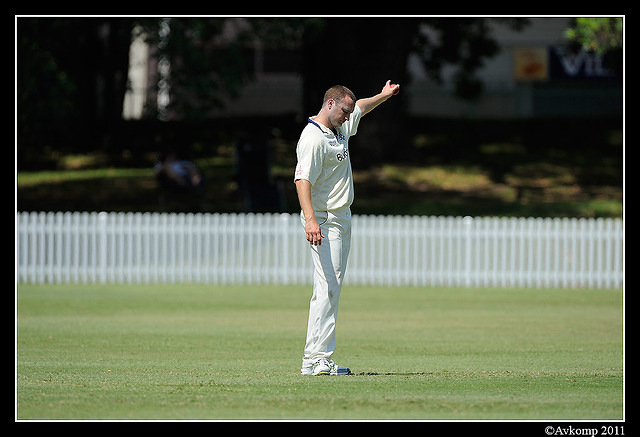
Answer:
[(323, 366)]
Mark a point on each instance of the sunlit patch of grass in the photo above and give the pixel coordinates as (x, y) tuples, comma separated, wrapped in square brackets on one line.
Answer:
[(456, 178)]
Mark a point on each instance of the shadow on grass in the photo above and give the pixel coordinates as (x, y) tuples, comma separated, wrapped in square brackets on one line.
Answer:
[(391, 374)]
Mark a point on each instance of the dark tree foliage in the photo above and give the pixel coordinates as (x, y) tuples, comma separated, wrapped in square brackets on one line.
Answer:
[(72, 72)]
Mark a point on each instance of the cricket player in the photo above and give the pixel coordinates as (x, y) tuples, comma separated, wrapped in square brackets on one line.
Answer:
[(325, 190)]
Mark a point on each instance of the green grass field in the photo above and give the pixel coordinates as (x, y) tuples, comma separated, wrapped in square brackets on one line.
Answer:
[(203, 352)]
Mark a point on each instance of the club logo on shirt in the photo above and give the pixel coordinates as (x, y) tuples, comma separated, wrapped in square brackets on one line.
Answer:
[(342, 156)]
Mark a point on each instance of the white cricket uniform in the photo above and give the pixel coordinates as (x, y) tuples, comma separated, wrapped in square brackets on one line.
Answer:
[(323, 160)]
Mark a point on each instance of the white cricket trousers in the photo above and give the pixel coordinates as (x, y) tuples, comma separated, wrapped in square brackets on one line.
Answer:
[(330, 264)]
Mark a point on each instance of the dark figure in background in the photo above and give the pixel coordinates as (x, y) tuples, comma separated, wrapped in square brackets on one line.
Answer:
[(253, 172), (178, 179)]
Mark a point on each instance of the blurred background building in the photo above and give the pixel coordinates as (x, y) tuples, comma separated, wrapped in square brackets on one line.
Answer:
[(534, 75)]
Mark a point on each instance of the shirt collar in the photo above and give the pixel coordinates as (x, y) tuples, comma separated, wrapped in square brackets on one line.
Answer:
[(323, 128)]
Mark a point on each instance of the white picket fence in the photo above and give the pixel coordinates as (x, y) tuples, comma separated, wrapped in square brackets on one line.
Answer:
[(74, 247)]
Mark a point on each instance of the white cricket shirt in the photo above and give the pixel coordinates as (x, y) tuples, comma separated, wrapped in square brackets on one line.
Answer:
[(323, 160)]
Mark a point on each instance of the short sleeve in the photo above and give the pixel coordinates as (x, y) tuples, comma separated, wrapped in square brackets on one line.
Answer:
[(309, 154)]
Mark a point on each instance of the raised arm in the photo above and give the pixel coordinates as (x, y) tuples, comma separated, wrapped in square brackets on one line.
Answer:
[(367, 104)]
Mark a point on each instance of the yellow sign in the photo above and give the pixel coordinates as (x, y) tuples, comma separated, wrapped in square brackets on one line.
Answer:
[(531, 63)]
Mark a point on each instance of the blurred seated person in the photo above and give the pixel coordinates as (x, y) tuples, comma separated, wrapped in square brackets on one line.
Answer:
[(178, 176)]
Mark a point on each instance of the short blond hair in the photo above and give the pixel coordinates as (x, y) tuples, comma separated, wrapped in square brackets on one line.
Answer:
[(337, 93)]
